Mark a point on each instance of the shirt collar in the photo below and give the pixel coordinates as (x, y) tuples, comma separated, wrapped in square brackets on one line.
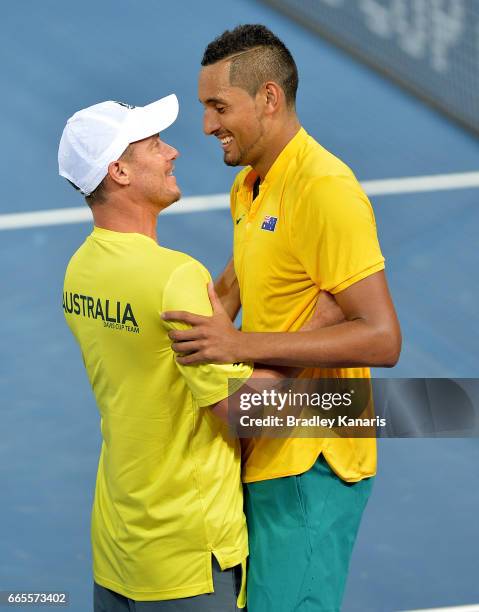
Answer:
[(102, 233)]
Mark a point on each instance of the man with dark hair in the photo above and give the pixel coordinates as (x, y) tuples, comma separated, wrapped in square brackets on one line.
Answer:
[(303, 228), (256, 55)]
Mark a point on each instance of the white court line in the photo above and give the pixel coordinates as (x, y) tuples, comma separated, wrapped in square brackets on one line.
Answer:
[(416, 184), (473, 608), (82, 214), (395, 186)]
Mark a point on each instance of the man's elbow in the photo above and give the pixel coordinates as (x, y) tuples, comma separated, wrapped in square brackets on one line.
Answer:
[(390, 341)]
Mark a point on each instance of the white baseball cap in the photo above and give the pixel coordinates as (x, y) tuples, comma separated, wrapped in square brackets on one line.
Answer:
[(95, 136)]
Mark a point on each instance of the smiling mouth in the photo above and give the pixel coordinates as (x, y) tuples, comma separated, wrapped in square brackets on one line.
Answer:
[(227, 140)]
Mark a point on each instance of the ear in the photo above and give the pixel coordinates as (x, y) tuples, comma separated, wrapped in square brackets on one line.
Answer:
[(119, 172), (274, 97)]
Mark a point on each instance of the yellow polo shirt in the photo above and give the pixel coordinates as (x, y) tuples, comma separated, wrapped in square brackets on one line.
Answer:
[(168, 491), (310, 228)]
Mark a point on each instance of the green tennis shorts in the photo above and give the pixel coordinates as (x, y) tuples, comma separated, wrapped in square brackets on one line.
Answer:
[(301, 534)]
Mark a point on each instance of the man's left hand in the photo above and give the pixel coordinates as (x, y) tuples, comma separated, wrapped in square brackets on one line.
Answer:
[(211, 339)]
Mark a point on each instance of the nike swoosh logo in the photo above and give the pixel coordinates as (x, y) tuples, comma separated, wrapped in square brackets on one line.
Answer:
[(238, 220)]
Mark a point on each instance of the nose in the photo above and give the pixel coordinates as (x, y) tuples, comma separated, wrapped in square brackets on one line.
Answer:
[(169, 151), (210, 122)]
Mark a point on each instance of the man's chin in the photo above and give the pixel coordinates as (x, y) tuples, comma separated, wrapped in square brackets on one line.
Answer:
[(172, 199), (231, 161)]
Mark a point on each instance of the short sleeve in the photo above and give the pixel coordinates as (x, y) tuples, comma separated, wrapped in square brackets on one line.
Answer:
[(333, 233), (186, 289)]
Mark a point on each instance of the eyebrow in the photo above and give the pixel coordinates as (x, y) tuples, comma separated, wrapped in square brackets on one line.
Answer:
[(213, 101)]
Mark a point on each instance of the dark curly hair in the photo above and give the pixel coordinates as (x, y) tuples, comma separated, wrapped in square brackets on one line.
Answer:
[(257, 55)]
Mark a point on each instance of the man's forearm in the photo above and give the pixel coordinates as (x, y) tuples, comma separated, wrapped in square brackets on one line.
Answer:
[(369, 335), (261, 378), (227, 289), (348, 344)]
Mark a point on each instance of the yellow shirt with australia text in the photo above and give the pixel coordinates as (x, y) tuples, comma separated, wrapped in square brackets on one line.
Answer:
[(168, 491), (310, 228)]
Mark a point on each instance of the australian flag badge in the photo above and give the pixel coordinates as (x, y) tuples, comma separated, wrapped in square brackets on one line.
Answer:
[(269, 223)]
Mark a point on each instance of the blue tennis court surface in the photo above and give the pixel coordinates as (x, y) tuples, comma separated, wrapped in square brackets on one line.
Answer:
[(417, 547)]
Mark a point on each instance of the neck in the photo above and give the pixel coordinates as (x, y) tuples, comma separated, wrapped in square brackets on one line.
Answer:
[(276, 143), (127, 218)]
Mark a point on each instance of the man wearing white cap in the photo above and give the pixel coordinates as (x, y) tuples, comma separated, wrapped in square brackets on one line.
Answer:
[(168, 530)]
